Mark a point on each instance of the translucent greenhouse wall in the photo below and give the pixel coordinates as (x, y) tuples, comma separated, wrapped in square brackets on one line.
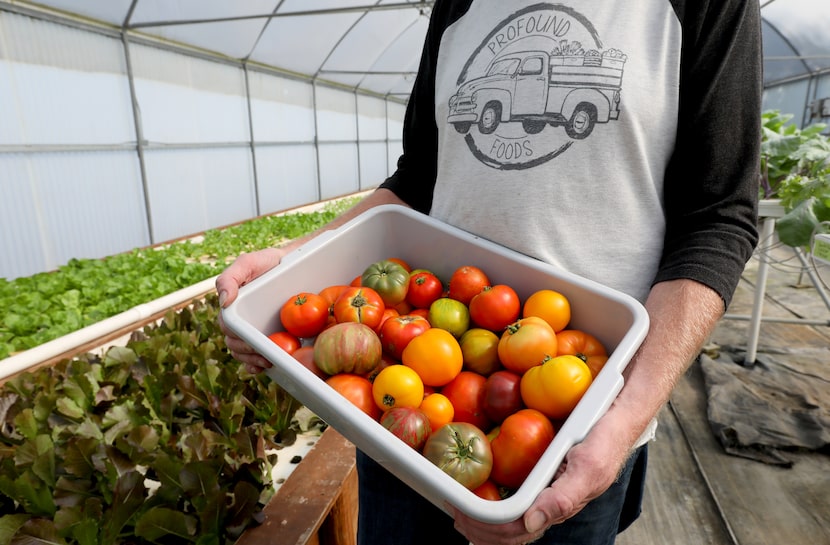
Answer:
[(209, 143)]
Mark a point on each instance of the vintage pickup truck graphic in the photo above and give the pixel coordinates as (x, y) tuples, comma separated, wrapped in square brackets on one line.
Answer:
[(537, 88)]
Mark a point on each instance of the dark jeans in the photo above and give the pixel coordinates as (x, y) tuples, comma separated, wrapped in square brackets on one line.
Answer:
[(391, 513)]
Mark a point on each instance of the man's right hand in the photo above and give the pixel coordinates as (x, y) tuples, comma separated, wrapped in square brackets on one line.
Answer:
[(244, 269)]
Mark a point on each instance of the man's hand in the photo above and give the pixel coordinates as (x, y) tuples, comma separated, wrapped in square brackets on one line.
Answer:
[(240, 272)]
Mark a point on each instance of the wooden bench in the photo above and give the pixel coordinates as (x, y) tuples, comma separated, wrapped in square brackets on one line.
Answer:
[(317, 503)]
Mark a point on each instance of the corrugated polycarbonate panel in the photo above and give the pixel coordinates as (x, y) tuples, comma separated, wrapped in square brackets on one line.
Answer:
[(804, 25), (185, 99), (61, 85), (339, 170), (233, 39), (287, 176), (63, 205), (147, 11), (788, 97), (191, 190), (335, 114), (282, 110)]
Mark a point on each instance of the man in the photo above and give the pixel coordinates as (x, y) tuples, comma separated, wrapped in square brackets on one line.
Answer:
[(616, 141)]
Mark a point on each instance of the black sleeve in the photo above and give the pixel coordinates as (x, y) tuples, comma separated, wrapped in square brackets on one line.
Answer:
[(711, 183), (414, 180)]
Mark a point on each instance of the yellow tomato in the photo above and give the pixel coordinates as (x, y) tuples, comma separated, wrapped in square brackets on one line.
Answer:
[(480, 349), (435, 356), (397, 386), (549, 305), (555, 387), (438, 409)]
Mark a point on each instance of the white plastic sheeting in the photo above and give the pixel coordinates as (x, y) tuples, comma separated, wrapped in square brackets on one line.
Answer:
[(132, 122)]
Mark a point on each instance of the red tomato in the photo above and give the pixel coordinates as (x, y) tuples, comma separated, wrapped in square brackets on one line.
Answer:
[(424, 288), (502, 395), (285, 340), (359, 304), (396, 332), (356, 389), (488, 491), (330, 294), (305, 355), (521, 440), (466, 282), (408, 424), (388, 312), (304, 314), (526, 343), (495, 307), (420, 312), (466, 393)]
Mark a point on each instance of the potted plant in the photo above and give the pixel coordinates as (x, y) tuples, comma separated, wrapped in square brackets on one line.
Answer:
[(795, 174)]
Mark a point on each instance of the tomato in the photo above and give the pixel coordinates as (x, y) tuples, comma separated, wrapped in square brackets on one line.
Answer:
[(488, 491), (423, 312), (285, 340), (495, 307), (356, 281), (449, 314), (304, 314), (356, 389), (435, 355), (389, 279), (584, 346), (305, 355), (462, 451), (330, 294), (520, 442), (480, 349), (388, 312), (397, 331), (466, 393), (359, 304), (466, 282), (438, 409), (551, 306), (556, 386), (424, 288), (385, 361), (347, 347), (526, 343), (397, 386), (403, 263), (502, 395), (408, 424)]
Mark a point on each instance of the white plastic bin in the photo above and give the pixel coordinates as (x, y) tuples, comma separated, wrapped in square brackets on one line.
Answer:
[(337, 256)]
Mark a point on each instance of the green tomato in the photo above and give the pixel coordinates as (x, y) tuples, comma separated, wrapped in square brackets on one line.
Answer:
[(389, 279), (449, 314)]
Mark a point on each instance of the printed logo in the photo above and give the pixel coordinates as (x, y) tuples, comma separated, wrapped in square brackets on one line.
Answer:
[(539, 81)]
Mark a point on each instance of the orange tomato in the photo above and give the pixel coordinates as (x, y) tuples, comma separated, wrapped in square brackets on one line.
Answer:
[(551, 306), (400, 262), (435, 355), (555, 387), (438, 409), (488, 491), (584, 346), (526, 343), (397, 386)]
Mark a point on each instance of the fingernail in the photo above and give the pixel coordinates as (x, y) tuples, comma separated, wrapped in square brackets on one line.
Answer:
[(222, 296), (535, 522)]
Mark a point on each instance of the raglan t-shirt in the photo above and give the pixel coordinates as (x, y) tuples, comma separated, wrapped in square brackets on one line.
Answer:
[(615, 140)]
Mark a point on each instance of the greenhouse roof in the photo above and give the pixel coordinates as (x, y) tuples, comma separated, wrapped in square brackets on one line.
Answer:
[(374, 45)]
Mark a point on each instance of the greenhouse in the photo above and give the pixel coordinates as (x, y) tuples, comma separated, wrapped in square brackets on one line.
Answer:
[(146, 144)]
